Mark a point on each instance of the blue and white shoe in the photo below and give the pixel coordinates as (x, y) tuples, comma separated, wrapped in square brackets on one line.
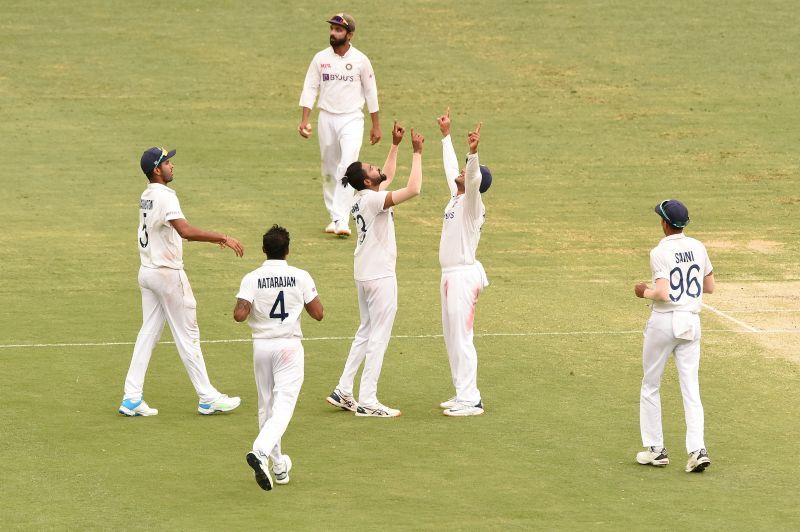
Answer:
[(342, 400), (377, 410), (464, 409), (223, 404), (282, 473), (136, 408), (698, 461), (259, 466)]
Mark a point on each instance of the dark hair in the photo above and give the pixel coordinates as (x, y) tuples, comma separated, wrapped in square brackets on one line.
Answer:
[(355, 176), (276, 243)]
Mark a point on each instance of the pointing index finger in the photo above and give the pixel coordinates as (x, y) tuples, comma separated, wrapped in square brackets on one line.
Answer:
[(447, 113), (478, 127)]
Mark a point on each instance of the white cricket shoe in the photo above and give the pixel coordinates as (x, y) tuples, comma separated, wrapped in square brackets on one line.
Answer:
[(223, 404), (450, 403), (342, 228), (653, 456), (259, 466), (331, 228), (136, 408), (282, 473), (464, 409), (698, 461), (342, 400), (377, 410)]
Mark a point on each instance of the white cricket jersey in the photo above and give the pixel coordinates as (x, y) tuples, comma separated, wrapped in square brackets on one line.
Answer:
[(278, 294), (464, 214), (376, 249), (684, 262), (160, 245), (343, 83)]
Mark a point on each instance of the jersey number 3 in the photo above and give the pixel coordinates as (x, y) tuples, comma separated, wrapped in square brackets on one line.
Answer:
[(281, 312), (143, 232)]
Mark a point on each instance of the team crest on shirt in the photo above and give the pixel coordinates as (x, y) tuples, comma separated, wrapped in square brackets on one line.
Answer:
[(348, 66)]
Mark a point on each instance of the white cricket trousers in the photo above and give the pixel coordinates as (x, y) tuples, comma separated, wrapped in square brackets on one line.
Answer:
[(278, 367), (167, 296), (377, 304), (659, 342), (340, 137), (459, 289)]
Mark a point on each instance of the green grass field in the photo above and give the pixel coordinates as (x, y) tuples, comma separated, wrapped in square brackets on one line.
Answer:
[(593, 111)]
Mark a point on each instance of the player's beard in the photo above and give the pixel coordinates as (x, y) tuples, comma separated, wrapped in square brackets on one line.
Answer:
[(383, 177), (338, 42)]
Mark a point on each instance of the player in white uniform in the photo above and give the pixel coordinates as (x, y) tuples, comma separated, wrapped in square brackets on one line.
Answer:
[(374, 272), (682, 272), (271, 299), (344, 79), (166, 293), (463, 276)]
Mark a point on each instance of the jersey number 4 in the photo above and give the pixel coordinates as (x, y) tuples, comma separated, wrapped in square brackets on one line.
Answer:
[(280, 307), (689, 285)]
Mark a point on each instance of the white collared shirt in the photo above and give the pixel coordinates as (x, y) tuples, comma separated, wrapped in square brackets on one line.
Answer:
[(343, 83), (684, 262), (278, 294), (160, 245), (464, 214), (376, 249)]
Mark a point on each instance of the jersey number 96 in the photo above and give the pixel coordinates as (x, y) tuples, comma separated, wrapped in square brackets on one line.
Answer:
[(688, 284)]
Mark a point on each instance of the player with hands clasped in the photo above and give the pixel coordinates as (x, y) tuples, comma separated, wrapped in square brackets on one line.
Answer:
[(272, 298), (344, 79), (374, 272), (463, 276), (166, 292), (682, 273)]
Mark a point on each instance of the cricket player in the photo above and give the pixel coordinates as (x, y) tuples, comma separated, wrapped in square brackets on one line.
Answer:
[(374, 272), (463, 276), (166, 292), (344, 79), (271, 299), (681, 272)]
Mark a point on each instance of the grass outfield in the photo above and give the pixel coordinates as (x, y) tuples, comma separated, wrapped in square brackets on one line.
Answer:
[(592, 113)]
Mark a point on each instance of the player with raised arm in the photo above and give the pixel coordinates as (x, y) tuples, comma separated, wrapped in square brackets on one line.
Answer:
[(271, 299), (374, 271), (343, 78), (166, 292), (463, 276), (682, 273)]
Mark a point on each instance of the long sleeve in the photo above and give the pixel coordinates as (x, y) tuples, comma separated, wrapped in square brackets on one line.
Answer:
[(310, 85), (450, 164), (472, 185), (369, 85)]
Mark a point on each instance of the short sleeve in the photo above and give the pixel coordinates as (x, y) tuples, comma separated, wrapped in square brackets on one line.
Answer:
[(246, 289), (658, 265), (377, 201), (172, 210), (309, 289)]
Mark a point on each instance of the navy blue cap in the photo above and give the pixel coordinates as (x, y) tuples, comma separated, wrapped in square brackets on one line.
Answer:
[(673, 212), (152, 157), (486, 179)]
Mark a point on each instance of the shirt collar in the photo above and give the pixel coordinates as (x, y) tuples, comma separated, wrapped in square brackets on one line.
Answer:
[(274, 262), (159, 186), (676, 236)]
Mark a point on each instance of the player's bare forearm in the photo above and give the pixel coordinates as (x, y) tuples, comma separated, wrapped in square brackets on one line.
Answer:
[(375, 133), (195, 234), (660, 292), (305, 127), (241, 310), (390, 166), (709, 283), (314, 309)]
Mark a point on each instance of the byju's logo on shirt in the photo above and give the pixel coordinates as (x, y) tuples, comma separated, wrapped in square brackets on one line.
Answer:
[(337, 77)]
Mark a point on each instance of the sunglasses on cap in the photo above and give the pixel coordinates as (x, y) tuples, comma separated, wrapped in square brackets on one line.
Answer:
[(164, 153), (664, 215), (338, 19)]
